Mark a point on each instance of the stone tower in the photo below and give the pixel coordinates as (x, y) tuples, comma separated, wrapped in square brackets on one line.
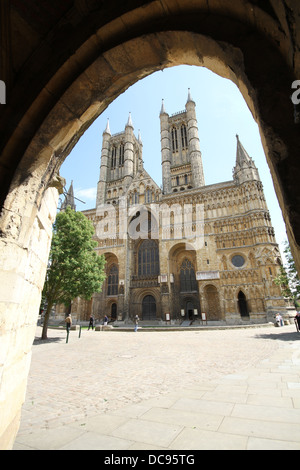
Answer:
[(121, 158), (180, 149)]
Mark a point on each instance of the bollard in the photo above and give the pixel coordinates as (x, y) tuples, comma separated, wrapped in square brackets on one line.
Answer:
[(67, 339), (79, 332)]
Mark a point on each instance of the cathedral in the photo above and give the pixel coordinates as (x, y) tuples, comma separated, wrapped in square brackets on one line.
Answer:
[(185, 252)]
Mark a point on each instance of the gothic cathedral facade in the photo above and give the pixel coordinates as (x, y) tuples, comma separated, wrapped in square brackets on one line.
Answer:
[(185, 251)]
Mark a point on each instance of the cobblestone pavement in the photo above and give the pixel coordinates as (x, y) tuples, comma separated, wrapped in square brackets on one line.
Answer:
[(103, 374)]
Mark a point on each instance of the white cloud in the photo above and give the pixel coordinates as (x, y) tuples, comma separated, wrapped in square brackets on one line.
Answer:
[(88, 194)]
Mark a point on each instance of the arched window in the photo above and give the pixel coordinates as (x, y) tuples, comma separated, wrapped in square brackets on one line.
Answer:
[(114, 157), (174, 140), (148, 196), (121, 155), (184, 142), (113, 281), (148, 258), (188, 281)]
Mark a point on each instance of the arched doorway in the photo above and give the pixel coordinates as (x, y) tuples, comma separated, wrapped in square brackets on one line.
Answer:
[(243, 305), (189, 312), (149, 308), (113, 311)]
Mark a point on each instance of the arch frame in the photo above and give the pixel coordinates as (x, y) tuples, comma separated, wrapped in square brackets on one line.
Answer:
[(101, 56)]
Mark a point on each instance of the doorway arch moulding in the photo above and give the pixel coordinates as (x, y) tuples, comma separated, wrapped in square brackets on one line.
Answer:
[(81, 63)]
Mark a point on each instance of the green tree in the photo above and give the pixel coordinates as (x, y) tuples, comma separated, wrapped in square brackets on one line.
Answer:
[(74, 268), (288, 278)]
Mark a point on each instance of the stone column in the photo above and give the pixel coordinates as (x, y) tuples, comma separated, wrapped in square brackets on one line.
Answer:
[(194, 144), (101, 189), (24, 245), (128, 153), (165, 150)]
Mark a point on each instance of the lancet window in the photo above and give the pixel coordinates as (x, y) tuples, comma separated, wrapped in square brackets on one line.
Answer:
[(121, 155), (174, 140), (188, 281), (114, 157), (184, 141), (148, 258), (113, 281)]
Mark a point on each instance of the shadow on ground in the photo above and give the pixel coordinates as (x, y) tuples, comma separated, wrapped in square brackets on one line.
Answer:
[(284, 336), (37, 341)]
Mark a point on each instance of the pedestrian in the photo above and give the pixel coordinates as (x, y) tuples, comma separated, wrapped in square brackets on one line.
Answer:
[(297, 321), (91, 324), (279, 320), (105, 320), (68, 322), (136, 322)]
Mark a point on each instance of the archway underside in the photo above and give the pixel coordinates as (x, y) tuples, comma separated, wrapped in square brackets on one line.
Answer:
[(118, 68), (64, 68)]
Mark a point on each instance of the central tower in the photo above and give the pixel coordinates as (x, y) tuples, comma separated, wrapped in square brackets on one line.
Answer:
[(180, 148)]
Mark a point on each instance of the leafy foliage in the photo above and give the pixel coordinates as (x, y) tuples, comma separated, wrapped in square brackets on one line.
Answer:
[(75, 269), (288, 278)]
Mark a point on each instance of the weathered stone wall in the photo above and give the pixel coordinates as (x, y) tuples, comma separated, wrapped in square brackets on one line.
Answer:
[(24, 250)]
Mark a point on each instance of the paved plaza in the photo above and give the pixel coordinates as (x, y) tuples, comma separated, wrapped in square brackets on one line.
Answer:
[(164, 390)]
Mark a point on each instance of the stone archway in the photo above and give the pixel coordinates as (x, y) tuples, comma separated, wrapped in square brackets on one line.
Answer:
[(79, 60)]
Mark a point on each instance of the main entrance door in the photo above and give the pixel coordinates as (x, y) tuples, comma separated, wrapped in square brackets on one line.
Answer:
[(189, 311), (149, 308)]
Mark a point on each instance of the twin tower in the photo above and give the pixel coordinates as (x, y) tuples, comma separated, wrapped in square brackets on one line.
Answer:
[(121, 157)]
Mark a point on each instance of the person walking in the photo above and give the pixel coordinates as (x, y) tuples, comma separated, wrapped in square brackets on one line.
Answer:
[(68, 322), (91, 324), (105, 320), (136, 322), (297, 321)]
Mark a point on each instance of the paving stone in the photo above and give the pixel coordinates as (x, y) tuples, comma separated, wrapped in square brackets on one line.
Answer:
[(122, 391)]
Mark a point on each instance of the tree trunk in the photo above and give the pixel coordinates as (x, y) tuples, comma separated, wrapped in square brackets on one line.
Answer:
[(46, 320)]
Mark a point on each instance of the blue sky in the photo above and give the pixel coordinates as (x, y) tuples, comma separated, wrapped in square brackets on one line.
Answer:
[(221, 113)]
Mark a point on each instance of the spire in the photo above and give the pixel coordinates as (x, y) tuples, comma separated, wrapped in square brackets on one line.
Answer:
[(129, 122), (163, 111), (245, 169), (107, 130), (140, 138), (190, 97), (241, 154), (69, 199)]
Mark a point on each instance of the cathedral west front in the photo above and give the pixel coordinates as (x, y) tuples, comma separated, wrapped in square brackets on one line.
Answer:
[(185, 252)]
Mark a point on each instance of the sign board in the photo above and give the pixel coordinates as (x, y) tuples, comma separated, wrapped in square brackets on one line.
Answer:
[(203, 316), (206, 275)]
